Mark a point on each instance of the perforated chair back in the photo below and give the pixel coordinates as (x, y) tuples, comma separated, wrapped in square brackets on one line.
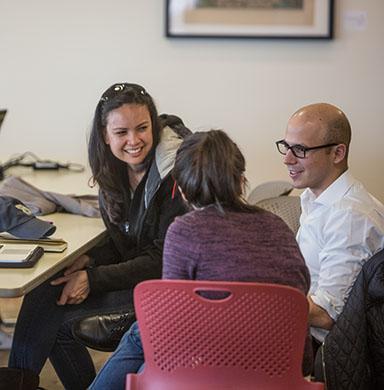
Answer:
[(288, 208), (251, 339), (269, 189)]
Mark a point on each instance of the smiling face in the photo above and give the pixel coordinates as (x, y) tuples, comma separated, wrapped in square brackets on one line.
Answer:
[(129, 134), (320, 167)]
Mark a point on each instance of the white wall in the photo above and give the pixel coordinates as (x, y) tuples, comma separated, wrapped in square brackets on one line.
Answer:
[(57, 57)]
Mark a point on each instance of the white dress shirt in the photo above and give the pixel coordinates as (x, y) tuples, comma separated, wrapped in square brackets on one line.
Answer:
[(339, 230)]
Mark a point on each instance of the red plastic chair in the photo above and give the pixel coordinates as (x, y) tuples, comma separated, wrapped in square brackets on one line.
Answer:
[(251, 339)]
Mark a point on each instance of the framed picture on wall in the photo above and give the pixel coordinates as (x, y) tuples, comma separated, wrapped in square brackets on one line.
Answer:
[(310, 19)]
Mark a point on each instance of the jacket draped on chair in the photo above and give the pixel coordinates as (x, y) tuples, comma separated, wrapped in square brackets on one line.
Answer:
[(353, 352)]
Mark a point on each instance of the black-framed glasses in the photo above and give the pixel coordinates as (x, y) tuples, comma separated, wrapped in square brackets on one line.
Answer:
[(116, 89), (297, 150)]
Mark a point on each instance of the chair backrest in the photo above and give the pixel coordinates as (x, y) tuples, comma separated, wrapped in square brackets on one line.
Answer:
[(269, 189), (253, 338), (288, 208)]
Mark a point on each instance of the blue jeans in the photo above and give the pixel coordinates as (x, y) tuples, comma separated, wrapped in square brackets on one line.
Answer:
[(44, 330), (128, 358)]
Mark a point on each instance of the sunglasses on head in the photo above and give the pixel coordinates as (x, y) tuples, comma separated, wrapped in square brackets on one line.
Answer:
[(116, 89)]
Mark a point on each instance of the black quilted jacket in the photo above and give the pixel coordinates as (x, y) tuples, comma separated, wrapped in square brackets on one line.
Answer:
[(353, 352)]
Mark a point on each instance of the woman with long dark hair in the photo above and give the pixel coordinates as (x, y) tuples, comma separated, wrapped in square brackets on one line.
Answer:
[(131, 154)]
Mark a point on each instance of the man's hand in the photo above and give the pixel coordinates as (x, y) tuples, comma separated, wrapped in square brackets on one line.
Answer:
[(80, 263), (318, 317), (76, 288)]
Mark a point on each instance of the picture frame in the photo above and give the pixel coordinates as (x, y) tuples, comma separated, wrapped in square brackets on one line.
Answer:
[(279, 19)]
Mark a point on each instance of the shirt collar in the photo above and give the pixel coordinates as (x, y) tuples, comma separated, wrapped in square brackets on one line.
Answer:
[(333, 192)]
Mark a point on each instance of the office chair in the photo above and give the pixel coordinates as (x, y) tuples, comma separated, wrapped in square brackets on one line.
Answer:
[(200, 335), (288, 208), (269, 189)]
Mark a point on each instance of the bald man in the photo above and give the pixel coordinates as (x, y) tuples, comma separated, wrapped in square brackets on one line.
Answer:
[(341, 225)]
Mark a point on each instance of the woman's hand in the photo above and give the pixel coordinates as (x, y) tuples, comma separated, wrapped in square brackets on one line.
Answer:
[(76, 288), (80, 263)]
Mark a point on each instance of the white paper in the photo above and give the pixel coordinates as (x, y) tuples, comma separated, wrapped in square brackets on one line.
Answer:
[(355, 20)]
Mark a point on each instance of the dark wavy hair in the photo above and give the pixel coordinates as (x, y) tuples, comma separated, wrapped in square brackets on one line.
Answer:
[(109, 172), (209, 169)]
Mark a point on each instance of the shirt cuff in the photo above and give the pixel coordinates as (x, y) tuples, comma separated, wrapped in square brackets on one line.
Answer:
[(328, 302)]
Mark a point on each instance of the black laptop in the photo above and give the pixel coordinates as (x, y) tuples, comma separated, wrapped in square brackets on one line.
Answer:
[(2, 116)]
